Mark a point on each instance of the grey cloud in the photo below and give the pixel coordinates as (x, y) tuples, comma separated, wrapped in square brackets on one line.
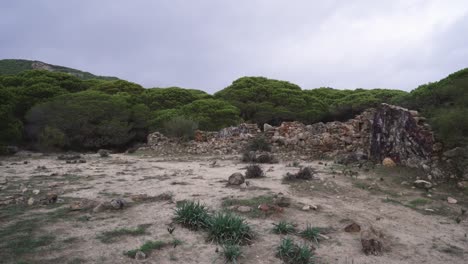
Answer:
[(207, 44)]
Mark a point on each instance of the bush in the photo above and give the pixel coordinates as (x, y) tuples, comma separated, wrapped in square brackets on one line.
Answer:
[(254, 171), (192, 215), (180, 127), (225, 227), (283, 228), (291, 253), (51, 138), (266, 158), (259, 144), (304, 173), (231, 252)]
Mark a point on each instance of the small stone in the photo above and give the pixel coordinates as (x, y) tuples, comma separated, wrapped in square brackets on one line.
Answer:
[(451, 200), (462, 185), (76, 206), (31, 201), (388, 162), (353, 228), (24, 190), (264, 207), (3, 180), (36, 192), (422, 184), (99, 208), (244, 209), (117, 203), (104, 153), (140, 255), (236, 179), (306, 208)]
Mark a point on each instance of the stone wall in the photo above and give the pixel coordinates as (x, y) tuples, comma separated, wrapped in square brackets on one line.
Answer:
[(385, 132)]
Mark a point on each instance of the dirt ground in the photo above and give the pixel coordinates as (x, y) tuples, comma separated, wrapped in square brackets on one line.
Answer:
[(418, 226)]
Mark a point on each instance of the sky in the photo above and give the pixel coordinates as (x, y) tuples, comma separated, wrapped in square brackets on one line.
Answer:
[(207, 44)]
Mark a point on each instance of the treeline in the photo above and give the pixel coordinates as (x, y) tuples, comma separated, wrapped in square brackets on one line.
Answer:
[(53, 110)]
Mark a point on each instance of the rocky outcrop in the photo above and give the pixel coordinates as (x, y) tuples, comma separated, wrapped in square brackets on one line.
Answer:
[(387, 132)]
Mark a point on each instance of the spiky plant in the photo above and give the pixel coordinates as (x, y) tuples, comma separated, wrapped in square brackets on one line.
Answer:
[(232, 253), (228, 227), (283, 228), (192, 215), (311, 233), (291, 253)]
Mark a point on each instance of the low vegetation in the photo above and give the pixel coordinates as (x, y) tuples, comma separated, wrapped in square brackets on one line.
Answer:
[(292, 253), (311, 233), (259, 144), (111, 236), (304, 173), (232, 253), (226, 227), (146, 248), (192, 215), (254, 171), (284, 228)]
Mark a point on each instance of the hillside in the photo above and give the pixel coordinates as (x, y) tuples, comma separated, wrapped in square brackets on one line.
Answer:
[(14, 66)]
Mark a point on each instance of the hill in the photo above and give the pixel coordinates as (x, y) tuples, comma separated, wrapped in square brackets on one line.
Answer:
[(15, 66)]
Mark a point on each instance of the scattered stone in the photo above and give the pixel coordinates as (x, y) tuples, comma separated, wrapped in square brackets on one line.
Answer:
[(140, 255), (117, 203), (99, 208), (264, 207), (306, 208), (236, 179), (31, 201), (371, 242), (463, 185), (282, 201), (104, 153), (451, 200), (244, 209), (36, 192), (24, 190), (422, 184), (388, 162), (267, 127), (454, 153), (353, 228)]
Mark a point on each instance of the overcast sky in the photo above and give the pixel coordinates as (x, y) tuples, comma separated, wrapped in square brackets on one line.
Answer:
[(207, 44)]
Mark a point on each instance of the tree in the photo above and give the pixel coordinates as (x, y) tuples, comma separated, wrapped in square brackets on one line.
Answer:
[(118, 86), (212, 114)]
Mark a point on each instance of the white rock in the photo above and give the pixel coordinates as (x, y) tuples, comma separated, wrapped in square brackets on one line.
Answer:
[(306, 208), (244, 209), (36, 192), (140, 255), (31, 201), (451, 200)]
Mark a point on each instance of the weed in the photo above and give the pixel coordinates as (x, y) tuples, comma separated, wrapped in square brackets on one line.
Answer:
[(254, 171), (110, 236), (226, 227), (419, 202), (146, 248), (192, 215), (283, 228), (231, 252), (259, 144), (292, 253), (305, 173), (311, 233)]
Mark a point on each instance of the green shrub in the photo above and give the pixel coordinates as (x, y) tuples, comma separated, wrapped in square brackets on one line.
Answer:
[(180, 127), (259, 144), (254, 171), (231, 252), (110, 236), (291, 253), (283, 228), (225, 227), (51, 138), (146, 248), (192, 215), (311, 233)]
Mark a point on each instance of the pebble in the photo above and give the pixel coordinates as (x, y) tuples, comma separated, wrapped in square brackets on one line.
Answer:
[(36, 192), (244, 209), (31, 201), (140, 255), (451, 200), (306, 208)]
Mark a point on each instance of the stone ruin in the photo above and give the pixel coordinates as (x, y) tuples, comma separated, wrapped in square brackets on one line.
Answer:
[(387, 131)]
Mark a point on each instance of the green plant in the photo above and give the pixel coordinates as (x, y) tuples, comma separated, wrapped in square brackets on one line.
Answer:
[(192, 215), (292, 253), (311, 233), (259, 143), (254, 171), (226, 227), (180, 127), (231, 252), (283, 228), (146, 248), (419, 202), (110, 236)]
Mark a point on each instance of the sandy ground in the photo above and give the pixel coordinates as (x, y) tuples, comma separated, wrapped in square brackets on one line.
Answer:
[(418, 233)]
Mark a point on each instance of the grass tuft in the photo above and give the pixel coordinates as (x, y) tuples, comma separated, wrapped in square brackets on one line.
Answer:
[(283, 228), (232, 253), (146, 248), (110, 236), (311, 233), (192, 215), (226, 227), (292, 253)]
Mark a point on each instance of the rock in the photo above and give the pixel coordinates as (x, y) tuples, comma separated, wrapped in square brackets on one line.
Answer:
[(264, 207), (117, 204), (69, 157), (36, 192), (422, 184), (104, 153), (306, 208), (3, 180), (31, 201), (353, 228), (454, 153), (267, 127), (371, 242), (282, 201), (388, 162), (462, 185), (99, 208), (140, 255), (236, 179), (51, 198), (244, 209), (76, 206), (451, 200)]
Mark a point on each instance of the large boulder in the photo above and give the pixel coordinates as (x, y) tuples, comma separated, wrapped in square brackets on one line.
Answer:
[(236, 179)]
